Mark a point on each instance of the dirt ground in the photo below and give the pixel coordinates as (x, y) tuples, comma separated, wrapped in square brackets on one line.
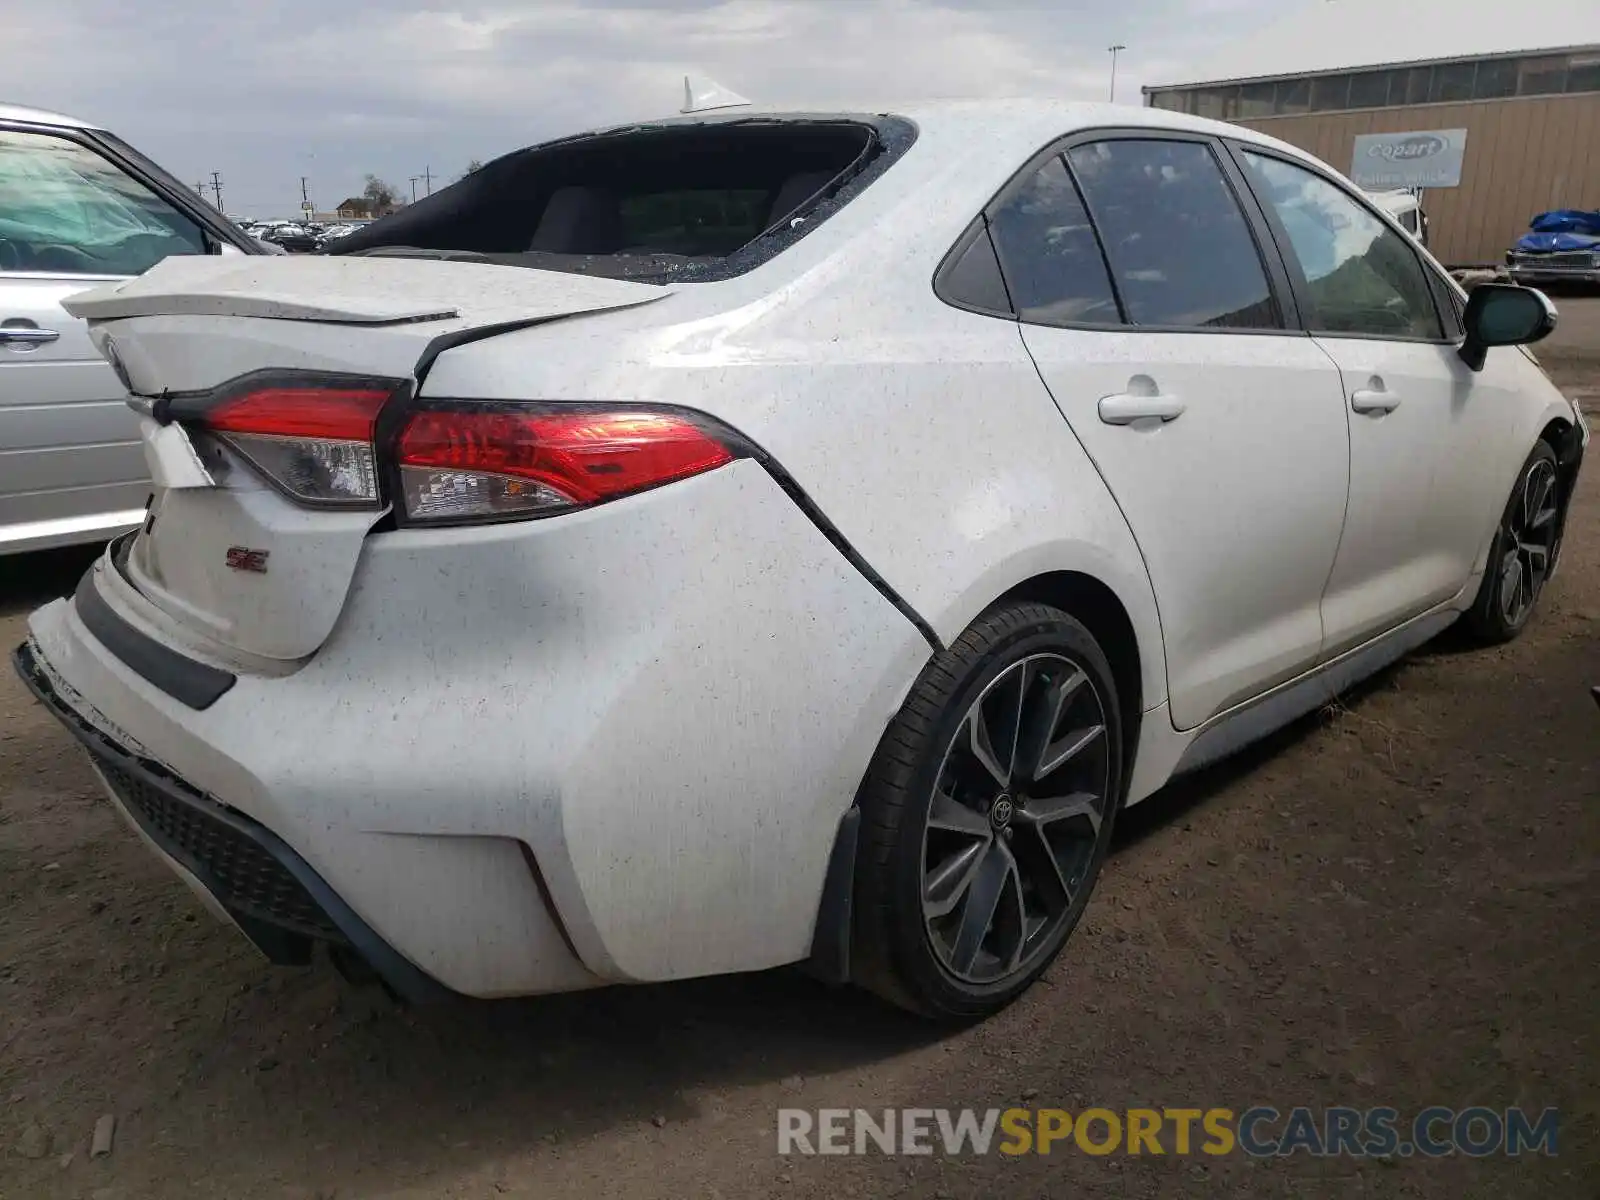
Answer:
[(1396, 902)]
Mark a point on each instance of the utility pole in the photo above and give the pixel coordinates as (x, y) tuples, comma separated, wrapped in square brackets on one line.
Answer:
[(427, 179), (201, 188), (304, 199), (216, 188), (414, 179), (1115, 50)]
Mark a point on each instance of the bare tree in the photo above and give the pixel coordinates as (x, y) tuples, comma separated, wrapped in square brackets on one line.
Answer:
[(475, 165), (384, 196)]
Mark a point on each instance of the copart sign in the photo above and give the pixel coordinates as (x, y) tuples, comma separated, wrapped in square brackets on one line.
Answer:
[(1427, 159)]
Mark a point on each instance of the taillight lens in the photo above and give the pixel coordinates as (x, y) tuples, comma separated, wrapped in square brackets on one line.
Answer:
[(313, 437), (468, 462)]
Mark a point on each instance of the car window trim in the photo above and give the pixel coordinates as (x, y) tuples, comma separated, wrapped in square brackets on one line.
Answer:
[(1267, 250), (213, 228), (1237, 148)]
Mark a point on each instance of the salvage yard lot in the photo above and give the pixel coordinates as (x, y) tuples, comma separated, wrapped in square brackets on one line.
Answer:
[(1392, 903)]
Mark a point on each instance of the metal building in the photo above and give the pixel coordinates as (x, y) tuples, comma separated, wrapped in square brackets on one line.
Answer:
[(1522, 81)]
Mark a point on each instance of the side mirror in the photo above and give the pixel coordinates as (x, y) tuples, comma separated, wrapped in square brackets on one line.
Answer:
[(1503, 314)]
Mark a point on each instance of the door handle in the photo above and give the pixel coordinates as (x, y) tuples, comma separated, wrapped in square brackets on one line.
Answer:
[(1373, 401), (26, 335), (1125, 409)]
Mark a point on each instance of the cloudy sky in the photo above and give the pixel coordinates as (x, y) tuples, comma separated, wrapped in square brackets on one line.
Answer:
[(333, 89)]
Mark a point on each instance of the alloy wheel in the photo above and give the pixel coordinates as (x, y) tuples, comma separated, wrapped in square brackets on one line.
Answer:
[(1529, 543), (1015, 819)]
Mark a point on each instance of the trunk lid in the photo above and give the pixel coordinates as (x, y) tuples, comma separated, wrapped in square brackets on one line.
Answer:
[(231, 561)]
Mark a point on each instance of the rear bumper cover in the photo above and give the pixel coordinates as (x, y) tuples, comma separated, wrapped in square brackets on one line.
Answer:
[(268, 890), (535, 757), (196, 684)]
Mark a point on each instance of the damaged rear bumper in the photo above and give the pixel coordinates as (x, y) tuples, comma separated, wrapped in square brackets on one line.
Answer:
[(255, 878)]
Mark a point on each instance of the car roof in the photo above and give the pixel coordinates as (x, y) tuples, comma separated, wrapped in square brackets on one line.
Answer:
[(40, 116), (1009, 129)]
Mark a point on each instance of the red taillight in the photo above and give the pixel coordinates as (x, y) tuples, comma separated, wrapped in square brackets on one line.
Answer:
[(310, 435), (344, 414), (474, 461)]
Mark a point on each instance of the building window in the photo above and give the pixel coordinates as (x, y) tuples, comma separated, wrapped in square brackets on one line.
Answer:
[(1497, 78), (1211, 102), (1583, 73), (1447, 83), (1256, 100), (1541, 76), (1370, 89), (1294, 96), (1418, 80), (1330, 93), (1452, 82)]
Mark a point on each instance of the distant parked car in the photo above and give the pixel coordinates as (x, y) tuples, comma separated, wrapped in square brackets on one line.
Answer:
[(334, 232), (78, 207), (295, 238), (1559, 247)]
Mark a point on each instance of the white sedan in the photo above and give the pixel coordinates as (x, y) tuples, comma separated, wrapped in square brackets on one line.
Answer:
[(755, 538)]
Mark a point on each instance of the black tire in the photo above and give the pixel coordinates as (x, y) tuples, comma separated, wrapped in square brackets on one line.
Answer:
[(1514, 577), (1035, 650)]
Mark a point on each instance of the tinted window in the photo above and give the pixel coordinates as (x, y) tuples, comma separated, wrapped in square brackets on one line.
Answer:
[(65, 210), (1361, 276), (1180, 250), (973, 280), (1052, 261)]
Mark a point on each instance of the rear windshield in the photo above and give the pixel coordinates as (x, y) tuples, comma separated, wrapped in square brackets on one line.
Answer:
[(689, 202)]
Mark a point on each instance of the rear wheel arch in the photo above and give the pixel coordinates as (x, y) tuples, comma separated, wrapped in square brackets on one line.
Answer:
[(1103, 613)]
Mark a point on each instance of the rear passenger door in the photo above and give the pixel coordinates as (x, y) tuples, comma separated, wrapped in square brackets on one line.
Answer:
[(1160, 320)]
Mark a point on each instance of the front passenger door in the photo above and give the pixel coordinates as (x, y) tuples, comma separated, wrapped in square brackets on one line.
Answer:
[(1151, 311), (71, 466), (1425, 432)]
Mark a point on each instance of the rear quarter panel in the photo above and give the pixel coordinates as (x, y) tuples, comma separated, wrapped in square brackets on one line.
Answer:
[(923, 432)]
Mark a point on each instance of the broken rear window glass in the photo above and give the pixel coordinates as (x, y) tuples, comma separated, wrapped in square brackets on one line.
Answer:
[(685, 201)]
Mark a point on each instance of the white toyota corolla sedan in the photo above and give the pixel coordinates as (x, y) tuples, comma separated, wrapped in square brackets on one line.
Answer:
[(756, 538)]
